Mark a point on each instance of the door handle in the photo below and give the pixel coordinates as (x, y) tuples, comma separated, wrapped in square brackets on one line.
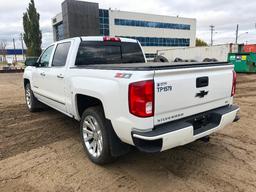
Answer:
[(60, 76), (202, 82), (42, 74)]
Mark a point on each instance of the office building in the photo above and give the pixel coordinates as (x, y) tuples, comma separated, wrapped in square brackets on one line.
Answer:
[(80, 18)]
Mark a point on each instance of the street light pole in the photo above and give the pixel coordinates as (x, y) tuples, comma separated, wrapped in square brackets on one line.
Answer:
[(212, 29), (237, 26), (15, 57)]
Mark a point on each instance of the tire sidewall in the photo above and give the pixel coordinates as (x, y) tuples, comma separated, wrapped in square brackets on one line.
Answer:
[(27, 87), (32, 99), (105, 155)]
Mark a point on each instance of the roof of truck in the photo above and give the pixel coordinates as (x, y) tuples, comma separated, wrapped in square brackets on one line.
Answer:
[(101, 38)]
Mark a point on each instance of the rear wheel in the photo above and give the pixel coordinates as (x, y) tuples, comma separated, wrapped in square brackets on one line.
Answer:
[(95, 137), (32, 103)]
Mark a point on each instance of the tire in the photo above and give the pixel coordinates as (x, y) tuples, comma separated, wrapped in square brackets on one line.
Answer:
[(160, 58), (95, 136), (32, 103)]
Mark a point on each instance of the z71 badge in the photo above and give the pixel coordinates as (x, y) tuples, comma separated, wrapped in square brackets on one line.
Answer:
[(123, 75), (163, 87)]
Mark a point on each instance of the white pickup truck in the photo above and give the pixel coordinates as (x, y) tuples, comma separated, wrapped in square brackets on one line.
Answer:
[(121, 100)]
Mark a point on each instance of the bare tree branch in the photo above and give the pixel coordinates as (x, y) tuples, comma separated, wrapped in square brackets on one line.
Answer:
[(3, 51)]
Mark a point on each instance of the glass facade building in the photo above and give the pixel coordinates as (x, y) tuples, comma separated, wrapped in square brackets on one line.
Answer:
[(145, 41), (154, 32), (150, 55), (138, 23), (163, 42), (59, 31), (104, 21)]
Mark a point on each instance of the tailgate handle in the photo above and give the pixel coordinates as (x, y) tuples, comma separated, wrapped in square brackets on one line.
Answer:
[(202, 82)]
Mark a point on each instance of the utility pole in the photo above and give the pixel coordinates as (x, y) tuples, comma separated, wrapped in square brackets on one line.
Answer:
[(237, 27), (15, 57), (212, 29), (22, 47)]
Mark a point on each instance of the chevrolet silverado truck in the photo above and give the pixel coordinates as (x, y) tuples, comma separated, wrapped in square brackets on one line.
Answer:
[(123, 101)]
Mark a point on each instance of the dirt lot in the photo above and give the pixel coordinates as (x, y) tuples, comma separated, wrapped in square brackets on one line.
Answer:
[(42, 152)]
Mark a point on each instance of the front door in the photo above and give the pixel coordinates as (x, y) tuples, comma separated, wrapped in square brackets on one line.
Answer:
[(39, 74)]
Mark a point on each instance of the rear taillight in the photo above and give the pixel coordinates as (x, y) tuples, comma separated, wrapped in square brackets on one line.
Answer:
[(233, 92), (113, 39), (141, 98)]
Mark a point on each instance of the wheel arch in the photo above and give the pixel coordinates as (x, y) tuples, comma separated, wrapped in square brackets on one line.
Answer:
[(117, 147), (85, 101), (25, 82)]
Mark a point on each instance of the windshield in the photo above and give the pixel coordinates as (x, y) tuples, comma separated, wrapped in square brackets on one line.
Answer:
[(97, 52)]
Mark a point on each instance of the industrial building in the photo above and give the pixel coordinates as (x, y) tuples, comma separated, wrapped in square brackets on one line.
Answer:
[(80, 18), (12, 55)]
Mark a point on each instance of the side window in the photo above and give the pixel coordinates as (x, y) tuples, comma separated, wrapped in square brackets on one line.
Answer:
[(61, 54), (45, 57)]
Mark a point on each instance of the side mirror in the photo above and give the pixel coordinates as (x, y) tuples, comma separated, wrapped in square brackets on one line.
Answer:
[(31, 61)]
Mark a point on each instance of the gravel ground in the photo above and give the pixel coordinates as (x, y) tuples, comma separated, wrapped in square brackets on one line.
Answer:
[(42, 152)]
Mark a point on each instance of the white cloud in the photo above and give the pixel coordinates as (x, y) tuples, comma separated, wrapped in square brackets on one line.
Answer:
[(221, 13)]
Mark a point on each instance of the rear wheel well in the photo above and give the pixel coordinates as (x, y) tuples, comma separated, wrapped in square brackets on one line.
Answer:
[(26, 81), (117, 147), (84, 102)]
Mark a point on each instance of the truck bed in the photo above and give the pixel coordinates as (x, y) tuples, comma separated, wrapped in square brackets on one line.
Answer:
[(152, 66)]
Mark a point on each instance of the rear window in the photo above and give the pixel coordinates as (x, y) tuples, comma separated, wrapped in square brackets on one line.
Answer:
[(97, 52)]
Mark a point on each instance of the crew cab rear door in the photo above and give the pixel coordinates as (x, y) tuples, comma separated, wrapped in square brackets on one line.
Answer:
[(185, 91)]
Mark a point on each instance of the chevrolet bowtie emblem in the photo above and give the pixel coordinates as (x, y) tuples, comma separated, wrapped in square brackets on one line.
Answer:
[(201, 94)]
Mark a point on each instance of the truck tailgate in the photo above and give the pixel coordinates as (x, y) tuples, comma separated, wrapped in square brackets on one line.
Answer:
[(183, 92)]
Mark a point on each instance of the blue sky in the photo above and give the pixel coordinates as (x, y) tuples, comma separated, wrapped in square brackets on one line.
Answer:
[(223, 14)]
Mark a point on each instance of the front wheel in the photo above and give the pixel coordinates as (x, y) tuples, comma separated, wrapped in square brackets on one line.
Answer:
[(95, 136), (31, 101)]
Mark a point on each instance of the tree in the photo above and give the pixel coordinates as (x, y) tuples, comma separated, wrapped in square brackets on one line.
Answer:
[(32, 33), (3, 51), (200, 42)]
